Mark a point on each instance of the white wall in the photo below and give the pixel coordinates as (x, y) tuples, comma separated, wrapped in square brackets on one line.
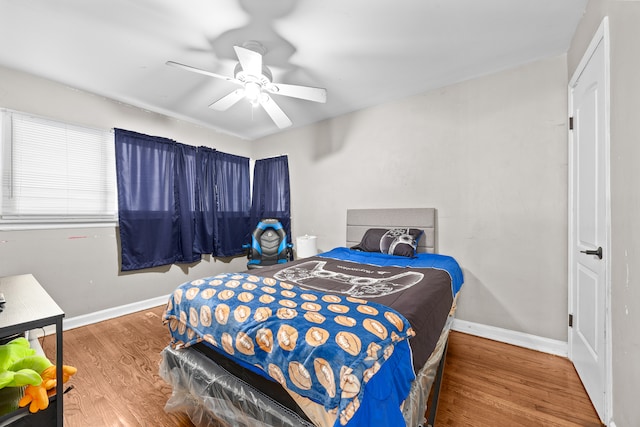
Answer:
[(624, 26), (80, 267), (490, 154)]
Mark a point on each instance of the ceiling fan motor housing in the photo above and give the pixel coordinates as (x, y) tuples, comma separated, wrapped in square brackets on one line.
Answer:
[(264, 79)]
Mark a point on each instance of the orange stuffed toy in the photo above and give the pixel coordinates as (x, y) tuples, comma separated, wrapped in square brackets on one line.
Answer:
[(37, 397)]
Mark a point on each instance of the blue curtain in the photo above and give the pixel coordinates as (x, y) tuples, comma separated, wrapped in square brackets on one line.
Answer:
[(185, 180), (232, 207), (205, 200), (149, 229), (271, 194), (177, 202)]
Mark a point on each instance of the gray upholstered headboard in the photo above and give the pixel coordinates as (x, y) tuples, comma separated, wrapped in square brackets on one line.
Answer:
[(359, 220)]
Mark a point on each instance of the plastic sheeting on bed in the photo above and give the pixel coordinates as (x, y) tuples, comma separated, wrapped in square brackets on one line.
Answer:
[(415, 405), (211, 396)]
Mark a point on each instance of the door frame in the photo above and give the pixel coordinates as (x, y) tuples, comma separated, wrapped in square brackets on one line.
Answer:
[(600, 36)]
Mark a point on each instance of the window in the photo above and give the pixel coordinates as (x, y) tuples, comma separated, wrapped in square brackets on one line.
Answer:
[(54, 172)]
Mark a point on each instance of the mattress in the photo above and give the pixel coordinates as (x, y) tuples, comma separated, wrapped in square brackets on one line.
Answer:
[(362, 334)]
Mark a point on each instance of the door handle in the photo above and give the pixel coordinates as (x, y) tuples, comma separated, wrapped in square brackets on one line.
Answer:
[(597, 252)]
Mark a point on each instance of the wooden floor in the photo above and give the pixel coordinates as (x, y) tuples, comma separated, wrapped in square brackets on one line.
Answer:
[(485, 384)]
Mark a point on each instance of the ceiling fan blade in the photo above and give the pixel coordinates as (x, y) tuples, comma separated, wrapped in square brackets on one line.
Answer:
[(227, 101), (309, 93), (198, 70), (275, 112), (250, 61)]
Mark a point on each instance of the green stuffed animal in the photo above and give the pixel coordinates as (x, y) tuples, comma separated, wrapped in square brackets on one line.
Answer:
[(19, 364)]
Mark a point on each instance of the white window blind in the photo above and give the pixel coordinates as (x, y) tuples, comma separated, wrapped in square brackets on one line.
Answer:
[(54, 172)]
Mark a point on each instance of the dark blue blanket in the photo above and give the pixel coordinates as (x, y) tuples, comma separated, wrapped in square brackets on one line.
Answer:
[(437, 261)]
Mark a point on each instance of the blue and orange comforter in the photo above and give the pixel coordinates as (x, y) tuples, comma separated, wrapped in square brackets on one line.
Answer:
[(332, 328)]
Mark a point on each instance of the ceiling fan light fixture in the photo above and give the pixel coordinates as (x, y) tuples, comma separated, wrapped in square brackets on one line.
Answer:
[(252, 92)]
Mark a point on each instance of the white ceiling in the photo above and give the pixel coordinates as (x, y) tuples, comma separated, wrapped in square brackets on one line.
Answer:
[(364, 52)]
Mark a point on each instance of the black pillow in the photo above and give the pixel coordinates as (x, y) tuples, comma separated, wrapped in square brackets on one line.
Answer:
[(395, 241)]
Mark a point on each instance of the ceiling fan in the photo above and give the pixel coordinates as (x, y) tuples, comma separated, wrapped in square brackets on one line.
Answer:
[(256, 84)]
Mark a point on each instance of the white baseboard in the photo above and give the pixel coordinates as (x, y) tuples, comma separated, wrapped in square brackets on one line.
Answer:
[(99, 316), (110, 313), (533, 342)]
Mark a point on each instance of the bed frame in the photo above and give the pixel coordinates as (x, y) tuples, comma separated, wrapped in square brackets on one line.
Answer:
[(429, 377)]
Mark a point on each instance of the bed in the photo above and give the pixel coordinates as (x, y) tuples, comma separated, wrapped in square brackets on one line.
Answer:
[(336, 339)]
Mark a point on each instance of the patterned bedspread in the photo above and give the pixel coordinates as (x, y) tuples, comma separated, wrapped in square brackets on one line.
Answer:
[(422, 288), (324, 346)]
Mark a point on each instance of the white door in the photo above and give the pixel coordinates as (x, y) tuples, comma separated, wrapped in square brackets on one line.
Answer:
[(589, 221)]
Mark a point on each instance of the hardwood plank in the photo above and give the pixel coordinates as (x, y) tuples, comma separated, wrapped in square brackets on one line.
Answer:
[(117, 383), (490, 383), (486, 383)]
